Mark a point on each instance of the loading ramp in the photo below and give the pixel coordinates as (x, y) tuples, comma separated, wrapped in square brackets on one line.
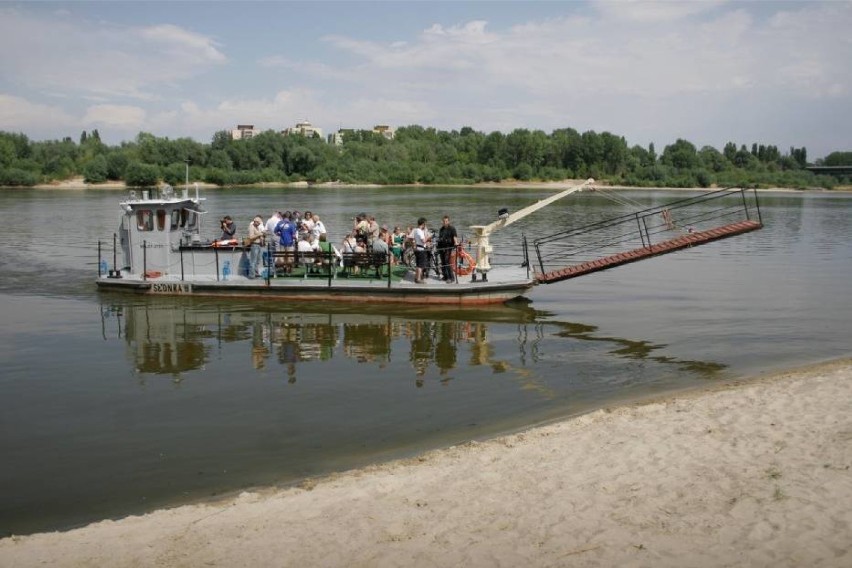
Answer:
[(645, 234)]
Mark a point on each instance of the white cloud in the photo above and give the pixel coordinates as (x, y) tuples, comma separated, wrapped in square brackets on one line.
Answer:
[(122, 117), (706, 71), (100, 59), (18, 114), (283, 109), (643, 12), (175, 40), (622, 50)]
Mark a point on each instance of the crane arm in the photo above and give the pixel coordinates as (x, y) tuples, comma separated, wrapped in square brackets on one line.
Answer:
[(481, 232), (518, 215)]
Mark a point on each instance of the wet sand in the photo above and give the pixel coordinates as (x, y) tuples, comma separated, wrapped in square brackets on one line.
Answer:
[(753, 473)]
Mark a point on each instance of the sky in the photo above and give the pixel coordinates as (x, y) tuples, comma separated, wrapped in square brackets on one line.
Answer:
[(710, 72)]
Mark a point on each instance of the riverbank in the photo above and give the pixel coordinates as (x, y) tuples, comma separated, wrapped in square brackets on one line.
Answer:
[(79, 183), (752, 473)]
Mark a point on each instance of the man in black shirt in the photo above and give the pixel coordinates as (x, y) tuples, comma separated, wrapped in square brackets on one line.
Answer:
[(447, 241)]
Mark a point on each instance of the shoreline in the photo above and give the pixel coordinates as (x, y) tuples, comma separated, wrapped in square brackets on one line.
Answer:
[(77, 184), (755, 471)]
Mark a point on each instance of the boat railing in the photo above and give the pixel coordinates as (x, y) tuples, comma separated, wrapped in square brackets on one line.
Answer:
[(649, 232)]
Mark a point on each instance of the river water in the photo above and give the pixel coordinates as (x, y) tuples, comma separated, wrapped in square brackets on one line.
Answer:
[(113, 404)]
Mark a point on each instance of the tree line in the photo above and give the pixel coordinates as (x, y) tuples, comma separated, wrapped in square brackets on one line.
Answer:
[(416, 154)]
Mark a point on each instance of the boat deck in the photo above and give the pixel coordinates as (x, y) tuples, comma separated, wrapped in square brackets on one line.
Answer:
[(504, 283)]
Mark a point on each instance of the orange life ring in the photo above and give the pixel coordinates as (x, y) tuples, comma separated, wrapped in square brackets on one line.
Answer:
[(462, 263), (153, 274)]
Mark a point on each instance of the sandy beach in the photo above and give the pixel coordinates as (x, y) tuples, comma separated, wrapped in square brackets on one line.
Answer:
[(78, 183), (754, 473)]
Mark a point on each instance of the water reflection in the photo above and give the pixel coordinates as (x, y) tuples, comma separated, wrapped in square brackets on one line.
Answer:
[(171, 337), (632, 349)]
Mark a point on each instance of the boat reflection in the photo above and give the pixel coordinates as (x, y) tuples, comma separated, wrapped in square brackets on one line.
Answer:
[(174, 338)]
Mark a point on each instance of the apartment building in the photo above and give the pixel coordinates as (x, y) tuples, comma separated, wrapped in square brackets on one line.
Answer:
[(244, 132), (303, 128)]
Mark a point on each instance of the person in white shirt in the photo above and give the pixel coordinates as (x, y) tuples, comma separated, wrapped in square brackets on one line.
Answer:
[(306, 227), (271, 224), (305, 245), (256, 237), (319, 227), (422, 239)]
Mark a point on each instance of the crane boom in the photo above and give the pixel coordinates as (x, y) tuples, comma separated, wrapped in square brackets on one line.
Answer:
[(481, 233)]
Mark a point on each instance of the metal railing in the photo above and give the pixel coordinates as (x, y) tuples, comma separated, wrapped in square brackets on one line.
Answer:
[(645, 228)]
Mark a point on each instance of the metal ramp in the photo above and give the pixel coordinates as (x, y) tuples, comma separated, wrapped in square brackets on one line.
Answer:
[(652, 232)]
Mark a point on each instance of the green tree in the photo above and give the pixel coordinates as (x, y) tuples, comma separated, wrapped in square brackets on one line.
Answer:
[(838, 159), (743, 158), (492, 150), (17, 176), (712, 159), (730, 152), (800, 155), (681, 155), (117, 162), (614, 154), (141, 175), (96, 170), (220, 159)]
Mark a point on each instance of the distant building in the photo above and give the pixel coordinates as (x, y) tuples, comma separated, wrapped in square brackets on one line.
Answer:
[(303, 128), (385, 131), (336, 138), (243, 132)]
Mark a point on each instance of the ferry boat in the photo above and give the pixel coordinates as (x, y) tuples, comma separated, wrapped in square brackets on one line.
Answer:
[(158, 249)]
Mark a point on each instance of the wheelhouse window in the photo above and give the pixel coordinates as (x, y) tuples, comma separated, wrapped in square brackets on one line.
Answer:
[(188, 219), (175, 219), (161, 219), (145, 220)]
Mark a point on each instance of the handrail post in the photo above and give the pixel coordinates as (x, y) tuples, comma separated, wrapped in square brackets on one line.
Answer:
[(745, 204), (144, 261), (641, 234), (181, 264), (216, 254), (647, 233), (757, 206), (537, 246)]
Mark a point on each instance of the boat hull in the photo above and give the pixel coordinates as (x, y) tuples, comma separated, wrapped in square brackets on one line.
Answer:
[(432, 292)]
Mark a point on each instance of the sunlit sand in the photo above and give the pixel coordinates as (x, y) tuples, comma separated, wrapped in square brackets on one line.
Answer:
[(749, 474)]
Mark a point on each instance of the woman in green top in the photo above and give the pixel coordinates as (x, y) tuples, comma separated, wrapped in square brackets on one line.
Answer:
[(398, 241)]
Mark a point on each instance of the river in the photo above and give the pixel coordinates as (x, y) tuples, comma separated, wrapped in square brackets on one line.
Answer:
[(114, 404)]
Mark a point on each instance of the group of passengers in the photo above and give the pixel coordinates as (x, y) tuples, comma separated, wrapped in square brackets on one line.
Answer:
[(305, 233), (287, 232), (367, 236)]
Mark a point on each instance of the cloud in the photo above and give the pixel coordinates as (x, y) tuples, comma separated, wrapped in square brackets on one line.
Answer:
[(60, 52), (174, 40), (122, 117), (19, 114), (282, 109), (651, 71), (643, 12)]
